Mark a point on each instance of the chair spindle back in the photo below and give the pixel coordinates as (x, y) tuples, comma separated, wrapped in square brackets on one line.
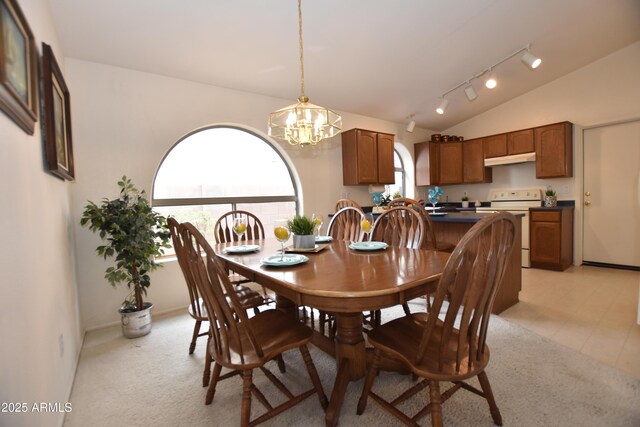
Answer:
[(223, 229), (345, 225), (400, 227)]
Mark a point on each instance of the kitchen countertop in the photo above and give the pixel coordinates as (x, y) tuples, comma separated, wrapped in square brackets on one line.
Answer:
[(462, 216)]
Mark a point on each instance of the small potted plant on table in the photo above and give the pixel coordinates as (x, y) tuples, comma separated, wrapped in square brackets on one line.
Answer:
[(465, 201), (135, 234), (302, 228)]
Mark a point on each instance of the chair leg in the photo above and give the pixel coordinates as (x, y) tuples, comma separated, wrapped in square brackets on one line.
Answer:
[(313, 374), (207, 367), (405, 307), (427, 302), (196, 332), (436, 403), (245, 411), (368, 382), (214, 381), (281, 365), (488, 394)]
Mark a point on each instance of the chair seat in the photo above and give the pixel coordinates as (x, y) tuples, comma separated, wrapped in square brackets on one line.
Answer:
[(275, 332), (400, 338)]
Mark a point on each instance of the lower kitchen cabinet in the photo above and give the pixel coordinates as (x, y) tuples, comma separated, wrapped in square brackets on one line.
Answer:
[(551, 238)]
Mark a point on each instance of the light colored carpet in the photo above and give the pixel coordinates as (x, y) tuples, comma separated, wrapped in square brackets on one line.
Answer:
[(153, 381)]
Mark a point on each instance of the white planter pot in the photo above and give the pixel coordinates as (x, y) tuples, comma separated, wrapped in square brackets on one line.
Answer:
[(307, 241), (465, 204), (136, 323)]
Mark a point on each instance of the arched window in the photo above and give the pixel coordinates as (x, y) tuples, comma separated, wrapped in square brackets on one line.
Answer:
[(221, 168), (400, 176)]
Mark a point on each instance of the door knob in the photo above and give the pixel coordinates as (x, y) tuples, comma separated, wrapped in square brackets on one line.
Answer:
[(588, 193), (587, 203)]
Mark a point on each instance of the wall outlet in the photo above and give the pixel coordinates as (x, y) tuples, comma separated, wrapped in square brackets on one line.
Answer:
[(61, 344)]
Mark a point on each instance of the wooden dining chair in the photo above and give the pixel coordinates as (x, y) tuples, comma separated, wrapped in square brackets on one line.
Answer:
[(344, 203), (430, 242), (240, 343), (452, 348), (345, 225), (248, 298), (223, 233), (402, 227)]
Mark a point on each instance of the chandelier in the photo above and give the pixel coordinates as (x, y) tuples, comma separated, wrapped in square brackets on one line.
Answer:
[(303, 123)]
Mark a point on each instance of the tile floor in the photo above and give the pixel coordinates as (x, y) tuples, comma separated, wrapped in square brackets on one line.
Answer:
[(590, 309)]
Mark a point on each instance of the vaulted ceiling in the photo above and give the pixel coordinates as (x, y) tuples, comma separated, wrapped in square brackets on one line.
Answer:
[(388, 59)]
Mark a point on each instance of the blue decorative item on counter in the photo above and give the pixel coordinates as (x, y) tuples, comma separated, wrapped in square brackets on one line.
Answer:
[(433, 194), (376, 197)]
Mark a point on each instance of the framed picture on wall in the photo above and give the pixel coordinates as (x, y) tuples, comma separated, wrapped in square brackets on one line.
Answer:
[(56, 120), (18, 67)]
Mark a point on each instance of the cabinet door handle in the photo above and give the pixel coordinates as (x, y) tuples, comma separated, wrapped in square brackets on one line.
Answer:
[(588, 193), (587, 203)]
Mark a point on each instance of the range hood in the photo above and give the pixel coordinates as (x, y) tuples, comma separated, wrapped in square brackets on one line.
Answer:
[(510, 160)]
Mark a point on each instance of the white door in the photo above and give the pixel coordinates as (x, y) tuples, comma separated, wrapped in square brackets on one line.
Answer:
[(612, 194)]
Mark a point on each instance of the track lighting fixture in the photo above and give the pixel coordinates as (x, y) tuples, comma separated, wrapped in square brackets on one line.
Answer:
[(411, 125), (531, 60), (470, 92), (492, 80), (528, 58), (442, 107)]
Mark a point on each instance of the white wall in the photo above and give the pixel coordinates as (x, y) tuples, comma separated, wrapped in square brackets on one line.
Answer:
[(125, 121), (38, 298)]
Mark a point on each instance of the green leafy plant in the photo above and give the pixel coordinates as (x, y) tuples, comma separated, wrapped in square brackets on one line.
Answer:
[(550, 192), (301, 225), (134, 235), (397, 194), (385, 199), (465, 199)]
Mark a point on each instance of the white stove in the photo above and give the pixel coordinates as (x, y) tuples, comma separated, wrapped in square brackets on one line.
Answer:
[(516, 201)]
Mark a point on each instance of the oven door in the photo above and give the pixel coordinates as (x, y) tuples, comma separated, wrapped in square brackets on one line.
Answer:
[(526, 261)]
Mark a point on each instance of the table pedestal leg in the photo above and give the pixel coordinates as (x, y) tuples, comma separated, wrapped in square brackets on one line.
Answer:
[(351, 358), (287, 306)]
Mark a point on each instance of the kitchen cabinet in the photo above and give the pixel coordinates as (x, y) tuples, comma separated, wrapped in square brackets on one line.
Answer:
[(451, 163), (367, 157), (427, 163), (551, 238), (520, 142), (474, 171), (508, 144), (554, 150), (495, 145)]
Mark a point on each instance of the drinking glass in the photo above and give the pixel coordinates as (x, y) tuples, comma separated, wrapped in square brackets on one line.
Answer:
[(281, 231), (317, 223), (366, 222), (239, 227)]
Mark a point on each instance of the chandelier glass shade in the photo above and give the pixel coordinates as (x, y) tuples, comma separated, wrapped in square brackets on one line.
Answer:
[(303, 123)]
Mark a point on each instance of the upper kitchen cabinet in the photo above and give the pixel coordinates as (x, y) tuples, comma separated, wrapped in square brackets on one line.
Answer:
[(508, 144), (474, 171), (495, 145), (554, 150), (427, 159), (520, 142), (367, 157), (451, 169)]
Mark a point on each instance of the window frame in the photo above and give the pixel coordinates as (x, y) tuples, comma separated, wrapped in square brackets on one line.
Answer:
[(233, 201)]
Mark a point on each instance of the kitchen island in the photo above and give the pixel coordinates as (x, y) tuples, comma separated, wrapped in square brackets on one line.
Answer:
[(451, 227)]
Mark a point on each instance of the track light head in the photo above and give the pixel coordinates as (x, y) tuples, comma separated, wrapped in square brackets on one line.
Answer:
[(531, 60), (470, 92), (442, 107), (492, 81), (411, 125)]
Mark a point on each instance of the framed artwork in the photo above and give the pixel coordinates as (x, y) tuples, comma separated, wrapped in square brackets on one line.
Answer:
[(56, 117), (18, 67)]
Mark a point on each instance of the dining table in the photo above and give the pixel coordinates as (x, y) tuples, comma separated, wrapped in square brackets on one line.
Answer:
[(344, 282)]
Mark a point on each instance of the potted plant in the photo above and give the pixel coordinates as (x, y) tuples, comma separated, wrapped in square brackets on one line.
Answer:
[(134, 235), (550, 199), (465, 201), (302, 229), (397, 195)]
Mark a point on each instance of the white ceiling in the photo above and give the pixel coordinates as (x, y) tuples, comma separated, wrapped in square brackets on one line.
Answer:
[(380, 58)]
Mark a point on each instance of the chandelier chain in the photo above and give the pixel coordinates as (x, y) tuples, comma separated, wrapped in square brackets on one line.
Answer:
[(302, 95)]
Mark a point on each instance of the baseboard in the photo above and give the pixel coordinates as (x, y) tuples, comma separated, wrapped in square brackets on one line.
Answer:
[(75, 372), (606, 265), (117, 322)]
